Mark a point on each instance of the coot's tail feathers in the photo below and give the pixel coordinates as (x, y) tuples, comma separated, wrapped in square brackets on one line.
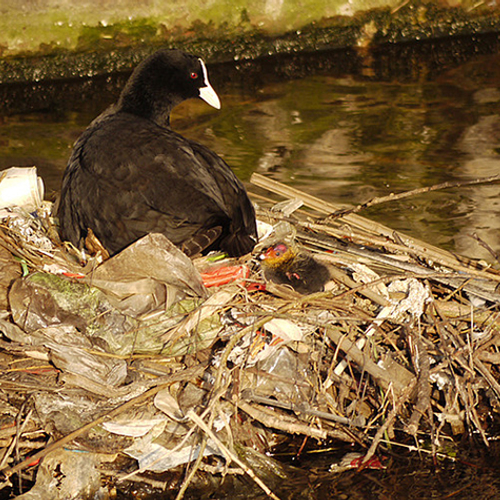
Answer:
[(236, 245), (200, 241)]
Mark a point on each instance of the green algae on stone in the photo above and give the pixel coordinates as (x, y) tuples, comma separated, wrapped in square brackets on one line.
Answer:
[(120, 34)]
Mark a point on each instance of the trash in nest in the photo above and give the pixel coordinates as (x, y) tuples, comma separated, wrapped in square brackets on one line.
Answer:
[(354, 460), (65, 474), (20, 187), (148, 360), (150, 273), (224, 275)]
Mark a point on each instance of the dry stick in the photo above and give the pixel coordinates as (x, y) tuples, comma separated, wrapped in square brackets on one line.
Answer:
[(431, 252), (194, 469), (485, 245), (230, 456), (15, 439), (477, 366), (283, 423), (108, 416), (475, 417), (485, 372), (395, 375), (367, 290), (20, 428), (302, 409), (389, 420), (217, 382), (485, 290), (203, 445), (422, 366), (470, 267), (415, 192), (303, 429)]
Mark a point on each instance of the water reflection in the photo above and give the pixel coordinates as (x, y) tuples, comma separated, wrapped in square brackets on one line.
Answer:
[(345, 138)]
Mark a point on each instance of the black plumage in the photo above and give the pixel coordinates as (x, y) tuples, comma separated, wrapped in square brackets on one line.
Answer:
[(130, 174)]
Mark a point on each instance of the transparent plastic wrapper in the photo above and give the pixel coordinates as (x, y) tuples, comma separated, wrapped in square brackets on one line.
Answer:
[(283, 375), (159, 450), (42, 300), (157, 458), (159, 443), (65, 475), (72, 352), (150, 273), (86, 360), (69, 410), (255, 348), (20, 187), (165, 402), (30, 229)]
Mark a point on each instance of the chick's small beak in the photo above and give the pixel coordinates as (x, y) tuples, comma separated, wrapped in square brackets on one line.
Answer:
[(268, 254)]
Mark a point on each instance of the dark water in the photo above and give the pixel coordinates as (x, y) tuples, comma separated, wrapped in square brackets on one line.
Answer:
[(344, 126)]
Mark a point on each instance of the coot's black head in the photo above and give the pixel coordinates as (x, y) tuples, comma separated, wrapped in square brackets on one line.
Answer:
[(164, 80)]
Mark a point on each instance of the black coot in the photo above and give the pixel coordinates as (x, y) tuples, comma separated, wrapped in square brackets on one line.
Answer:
[(130, 174)]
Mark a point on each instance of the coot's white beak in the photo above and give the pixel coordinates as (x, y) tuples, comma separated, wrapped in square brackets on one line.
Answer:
[(207, 93)]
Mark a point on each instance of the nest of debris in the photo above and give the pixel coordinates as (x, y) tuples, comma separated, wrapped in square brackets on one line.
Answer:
[(204, 366)]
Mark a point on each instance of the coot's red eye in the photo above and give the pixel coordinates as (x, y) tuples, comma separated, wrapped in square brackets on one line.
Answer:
[(194, 75)]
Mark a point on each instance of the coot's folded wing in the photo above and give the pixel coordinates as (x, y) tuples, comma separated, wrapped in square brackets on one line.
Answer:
[(242, 233), (146, 179)]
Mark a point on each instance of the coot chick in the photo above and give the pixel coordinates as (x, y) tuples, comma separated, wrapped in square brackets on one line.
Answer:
[(286, 265), (130, 174)]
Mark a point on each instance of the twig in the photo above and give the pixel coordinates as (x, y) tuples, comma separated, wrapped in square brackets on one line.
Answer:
[(483, 370), (422, 366), (15, 439), (203, 444), (281, 422), (395, 375), (407, 392), (20, 429), (229, 455), (300, 408), (484, 245), (415, 192), (430, 252)]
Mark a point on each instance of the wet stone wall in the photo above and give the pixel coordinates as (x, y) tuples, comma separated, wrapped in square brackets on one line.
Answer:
[(66, 39)]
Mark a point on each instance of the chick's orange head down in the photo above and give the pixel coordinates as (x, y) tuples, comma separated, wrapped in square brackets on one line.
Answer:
[(277, 254)]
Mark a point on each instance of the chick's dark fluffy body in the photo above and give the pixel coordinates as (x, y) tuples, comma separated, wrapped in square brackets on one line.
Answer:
[(130, 174), (294, 268)]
